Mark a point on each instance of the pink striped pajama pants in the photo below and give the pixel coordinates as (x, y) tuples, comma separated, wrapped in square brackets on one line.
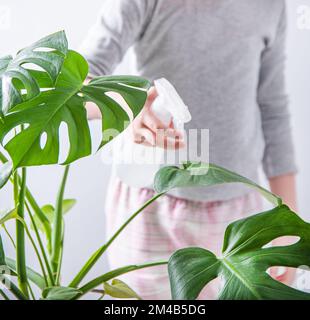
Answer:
[(165, 226)]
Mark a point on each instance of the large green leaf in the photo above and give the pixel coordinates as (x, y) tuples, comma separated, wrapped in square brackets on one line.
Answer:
[(131, 88), (42, 116), (245, 260), (202, 174), (15, 73)]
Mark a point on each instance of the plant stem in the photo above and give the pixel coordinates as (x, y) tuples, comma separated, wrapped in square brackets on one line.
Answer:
[(57, 232), (116, 273), (61, 256), (94, 258), (39, 213), (35, 207), (46, 261), (19, 196), (9, 236), (45, 222), (37, 253), (31, 292)]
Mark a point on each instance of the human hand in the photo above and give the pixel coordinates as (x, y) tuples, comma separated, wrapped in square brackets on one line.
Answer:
[(148, 130)]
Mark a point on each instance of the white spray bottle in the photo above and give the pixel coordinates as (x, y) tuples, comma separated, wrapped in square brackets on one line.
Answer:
[(138, 164)]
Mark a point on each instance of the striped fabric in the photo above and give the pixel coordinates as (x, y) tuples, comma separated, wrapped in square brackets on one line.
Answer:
[(168, 224)]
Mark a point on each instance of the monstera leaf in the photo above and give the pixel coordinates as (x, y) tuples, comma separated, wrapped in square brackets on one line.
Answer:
[(115, 119), (37, 121), (47, 53), (245, 259), (204, 175), (244, 263)]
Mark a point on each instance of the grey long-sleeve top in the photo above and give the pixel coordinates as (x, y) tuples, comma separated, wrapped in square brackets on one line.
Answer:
[(227, 60)]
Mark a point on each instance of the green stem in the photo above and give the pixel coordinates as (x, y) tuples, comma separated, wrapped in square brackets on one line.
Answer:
[(44, 255), (94, 258), (41, 216), (61, 256), (37, 253), (43, 219), (57, 234), (31, 292), (9, 236), (113, 274), (19, 196)]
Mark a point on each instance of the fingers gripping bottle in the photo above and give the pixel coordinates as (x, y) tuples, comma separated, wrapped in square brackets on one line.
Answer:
[(138, 164)]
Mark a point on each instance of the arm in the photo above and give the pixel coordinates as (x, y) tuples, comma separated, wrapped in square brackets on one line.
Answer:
[(119, 25), (279, 163), (279, 157), (279, 160), (285, 187)]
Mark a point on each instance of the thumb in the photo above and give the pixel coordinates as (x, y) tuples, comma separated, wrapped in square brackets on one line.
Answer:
[(151, 96)]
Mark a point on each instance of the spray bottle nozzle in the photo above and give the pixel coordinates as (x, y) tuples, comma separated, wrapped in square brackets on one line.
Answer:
[(171, 101)]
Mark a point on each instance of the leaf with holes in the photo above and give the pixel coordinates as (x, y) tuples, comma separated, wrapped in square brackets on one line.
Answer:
[(245, 259), (47, 54), (42, 116), (114, 118)]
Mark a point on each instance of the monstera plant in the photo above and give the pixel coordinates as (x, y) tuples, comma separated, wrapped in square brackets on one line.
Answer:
[(245, 259), (41, 88)]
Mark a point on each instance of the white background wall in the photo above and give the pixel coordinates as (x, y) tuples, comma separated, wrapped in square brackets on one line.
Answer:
[(88, 178)]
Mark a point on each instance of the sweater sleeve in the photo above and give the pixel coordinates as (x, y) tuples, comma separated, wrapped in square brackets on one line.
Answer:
[(119, 25), (279, 156)]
